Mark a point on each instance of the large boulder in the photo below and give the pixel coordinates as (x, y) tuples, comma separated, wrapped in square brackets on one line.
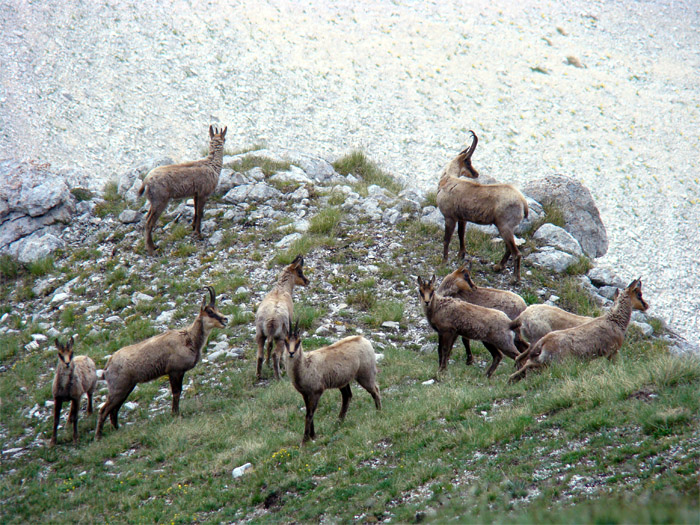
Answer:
[(559, 238), (581, 216), (33, 199)]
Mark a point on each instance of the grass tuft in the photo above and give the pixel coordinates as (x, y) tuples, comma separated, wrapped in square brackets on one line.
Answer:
[(357, 164)]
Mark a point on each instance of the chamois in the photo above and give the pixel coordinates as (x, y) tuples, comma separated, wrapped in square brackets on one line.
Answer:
[(74, 377), (196, 179), (463, 200), (172, 353), (451, 317), (602, 336), (333, 366), (459, 285), (274, 313)]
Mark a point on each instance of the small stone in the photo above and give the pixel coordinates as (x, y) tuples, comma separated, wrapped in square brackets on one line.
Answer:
[(239, 471), (129, 217), (391, 324), (287, 240), (429, 382), (113, 319), (59, 298), (139, 297)]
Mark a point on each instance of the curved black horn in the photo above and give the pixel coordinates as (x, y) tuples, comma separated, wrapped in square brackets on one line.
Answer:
[(471, 148), (212, 295)]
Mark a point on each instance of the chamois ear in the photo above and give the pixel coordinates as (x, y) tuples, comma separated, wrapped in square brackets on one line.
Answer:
[(617, 294), (223, 133), (71, 341), (432, 280), (211, 131), (420, 281), (633, 284), (298, 260), (58, 345)]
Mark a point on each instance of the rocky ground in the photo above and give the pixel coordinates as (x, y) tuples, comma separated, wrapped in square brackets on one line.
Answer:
[(604, 92)]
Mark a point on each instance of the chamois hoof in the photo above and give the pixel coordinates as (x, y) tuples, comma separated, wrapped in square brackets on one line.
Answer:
[(470, 360)]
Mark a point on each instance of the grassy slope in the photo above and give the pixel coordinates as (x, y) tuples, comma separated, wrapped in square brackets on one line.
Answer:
[(582, 442)]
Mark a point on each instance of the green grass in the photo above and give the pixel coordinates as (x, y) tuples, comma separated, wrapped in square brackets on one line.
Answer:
[(268, 166), (82, 194), (357, 164), (579, 442), (113, 203)]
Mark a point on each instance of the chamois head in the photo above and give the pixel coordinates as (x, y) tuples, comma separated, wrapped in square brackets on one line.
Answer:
[(210, 314), (292, 343), (426, 290), (65, 351), (634, 291), (463, 273), (217, 137), (296, 269), (464, 160)]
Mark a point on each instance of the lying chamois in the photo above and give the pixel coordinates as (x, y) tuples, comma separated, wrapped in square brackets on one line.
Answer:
[(463, 200), (602, 336), (172, 353), (274, 313), (196, 179), (540, 319), (74, 377), (333, 366), (459, 285), (451, 317)]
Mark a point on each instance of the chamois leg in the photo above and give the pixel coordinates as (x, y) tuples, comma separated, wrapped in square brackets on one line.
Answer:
[(520, 374), (276, 355), (311, 402), (497, 356), (57, 404), (449, 230), (151, 220), (260, 340), (347, 395), (511, 249), (176, 386), (270, 345), (448, 343), (89, 404), (522, 356), (370, 384), (461, 226), (468, 350), (73, 418), (199, 203), (114, 413), (441, 338)]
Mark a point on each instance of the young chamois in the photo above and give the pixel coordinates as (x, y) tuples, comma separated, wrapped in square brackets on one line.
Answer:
[(172, 353), (333, 366), (459, 285), (74, 377), (602, 336), (462, 200), (451, 317), (274, 313), (196, 179)]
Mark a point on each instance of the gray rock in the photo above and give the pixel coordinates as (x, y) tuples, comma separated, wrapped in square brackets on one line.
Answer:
[(287, 240), (30, 188), (252, 192), (165, 317), (216, 237), (299, 194), (608, 291), (431, 215), (316, 168), (302, 225), (138, 297), (129, 217), (559, 238), (412, 194), (552, 259), (581, 216), (646, 329), (391, 216), (604, 277), (294, 174), (114, 319), (59, 297), (230, 179), (38, 245), (369, 207)]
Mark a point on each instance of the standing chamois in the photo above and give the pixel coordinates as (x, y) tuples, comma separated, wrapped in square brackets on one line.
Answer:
[(74, 377), (462, 200), (451, 317), (602, 336), (459, 285), (172, 353), (196, 179), (274, 313), (333, 366)]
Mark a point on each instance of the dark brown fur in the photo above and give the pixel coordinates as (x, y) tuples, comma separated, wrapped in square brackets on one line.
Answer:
[(74, 377), (452, 317), (172, 353), (599, 337), (196, 179), (333, 366), (462, 201), (459, 285)]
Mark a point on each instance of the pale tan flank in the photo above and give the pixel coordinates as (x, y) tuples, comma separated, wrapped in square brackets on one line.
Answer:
[(459, 285), (172, 353), (451, 317), (599, 337), (462, 201), (333, 366), (274, 313), (74, 377), (196, 179)]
